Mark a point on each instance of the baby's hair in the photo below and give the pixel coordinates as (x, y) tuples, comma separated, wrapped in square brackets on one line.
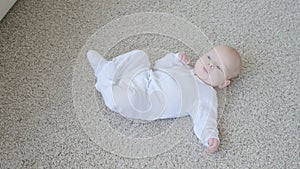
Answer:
[(232, 53)]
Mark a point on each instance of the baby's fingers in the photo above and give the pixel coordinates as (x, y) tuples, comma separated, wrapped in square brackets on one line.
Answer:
[(184, 58), (187, 59), (212, 145), (181, 56), (211, 149)]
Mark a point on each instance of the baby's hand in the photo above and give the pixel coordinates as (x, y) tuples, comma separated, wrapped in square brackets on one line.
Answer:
[(213, 145), (184, 58)]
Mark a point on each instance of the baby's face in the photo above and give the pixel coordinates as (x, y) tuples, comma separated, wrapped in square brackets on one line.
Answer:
[(212, 67)]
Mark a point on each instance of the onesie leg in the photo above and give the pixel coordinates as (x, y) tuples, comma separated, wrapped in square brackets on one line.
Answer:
[(95, 59)]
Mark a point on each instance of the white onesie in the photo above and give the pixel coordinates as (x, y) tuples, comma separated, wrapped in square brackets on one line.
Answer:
[(170, 89)]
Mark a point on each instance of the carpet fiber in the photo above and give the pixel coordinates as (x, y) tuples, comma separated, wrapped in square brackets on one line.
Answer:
[(51, 116)]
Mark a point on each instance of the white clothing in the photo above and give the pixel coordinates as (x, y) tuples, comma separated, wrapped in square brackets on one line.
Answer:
[(170, 89)]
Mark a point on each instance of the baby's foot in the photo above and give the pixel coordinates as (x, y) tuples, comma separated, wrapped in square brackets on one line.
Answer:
[(94, 58)]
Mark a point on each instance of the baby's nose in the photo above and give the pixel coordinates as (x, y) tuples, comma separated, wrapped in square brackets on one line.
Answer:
[(211, 64)]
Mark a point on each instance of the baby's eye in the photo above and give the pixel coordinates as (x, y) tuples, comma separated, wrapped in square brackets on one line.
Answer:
[(218, 67), (209, 57)]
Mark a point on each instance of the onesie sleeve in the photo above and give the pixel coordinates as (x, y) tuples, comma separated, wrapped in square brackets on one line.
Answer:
[(169, 60), (210, 127), (205, 117)]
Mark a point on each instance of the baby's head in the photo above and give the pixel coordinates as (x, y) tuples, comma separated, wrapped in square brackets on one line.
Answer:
[(218, 66)]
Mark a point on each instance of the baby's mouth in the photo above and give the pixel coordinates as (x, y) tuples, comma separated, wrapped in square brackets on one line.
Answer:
[(205, 69)]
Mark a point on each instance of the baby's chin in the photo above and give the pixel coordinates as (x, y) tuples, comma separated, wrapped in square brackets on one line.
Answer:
[(204, 78)]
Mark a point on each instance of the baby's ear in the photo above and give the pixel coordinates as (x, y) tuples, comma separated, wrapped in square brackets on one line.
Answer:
[(225, 84)]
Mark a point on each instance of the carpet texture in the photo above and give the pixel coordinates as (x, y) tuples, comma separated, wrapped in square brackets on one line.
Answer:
[(51, 116)]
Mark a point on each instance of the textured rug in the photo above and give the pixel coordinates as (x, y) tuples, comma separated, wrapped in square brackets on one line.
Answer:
[(51, 116)]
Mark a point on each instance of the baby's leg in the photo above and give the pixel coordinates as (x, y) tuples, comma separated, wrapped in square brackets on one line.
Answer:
[(113, 76), (95, 59)]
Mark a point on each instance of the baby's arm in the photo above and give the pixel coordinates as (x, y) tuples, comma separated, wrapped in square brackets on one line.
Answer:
[(206, 121), (208, 134), (171, 60)]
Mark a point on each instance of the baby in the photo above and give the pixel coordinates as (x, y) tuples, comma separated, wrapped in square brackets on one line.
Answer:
[(168, 90)]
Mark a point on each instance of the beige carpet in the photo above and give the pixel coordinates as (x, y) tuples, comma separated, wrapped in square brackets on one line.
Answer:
[(52, 117)]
